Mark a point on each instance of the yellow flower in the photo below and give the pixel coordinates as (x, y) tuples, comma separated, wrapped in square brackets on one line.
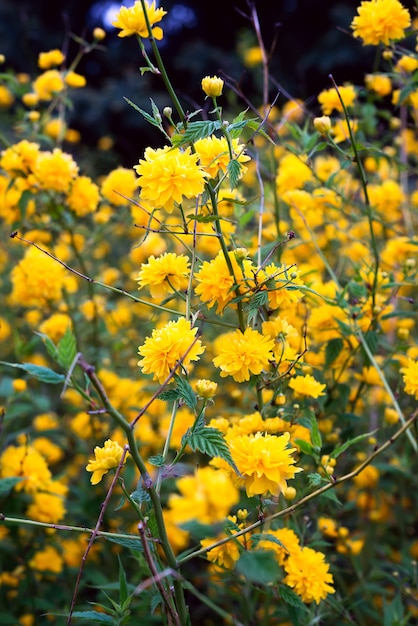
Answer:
[(308, 575), (252, 56), (264, 461), (379, 83), (214, 154), (72, 79), (212, 86), (216, 282), (307, 386), (20, 157), (167, 346), (30, 99), (131, 20), (328, 527), (165, 274), (48, 84), (6, 97), (410, 378), (293, 173), (37, 279), (84, 196), (206, 388), (46, 60), (55, 170), (167, 174), (106, 458), (47, 560), (407, 64), (227, 554), (322, 124), (329, 100), (119, 181), (26, 462), (206, 496), (287, 537), (46, 507), (380, 21), (99, 34), (243, 354), (341, 132)]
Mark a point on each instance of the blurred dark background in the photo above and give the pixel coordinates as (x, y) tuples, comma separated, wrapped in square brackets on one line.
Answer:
[(312, 40)]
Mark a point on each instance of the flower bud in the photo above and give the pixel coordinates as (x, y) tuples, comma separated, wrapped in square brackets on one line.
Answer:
[(212, 86), (322, 124), (167, 112), (206, 388), (289, 493), (99, 34)]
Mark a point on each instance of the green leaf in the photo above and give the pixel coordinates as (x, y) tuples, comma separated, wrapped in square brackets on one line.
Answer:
[(372, 340), (23, 202), (203, 219), (186, 393), (67, 349), (358, 290), (44, 374), (123, 584), (194, 132), (7, 484), (50, 346), (132, 544), (331, 495), (170, 395), (146, 115), (315, 434), (94, 617), (315, 480), (290, 597), (259, 566), (332, 350), (347, 444), (211, 441), (157, 460), (305, 447), (234, 171)]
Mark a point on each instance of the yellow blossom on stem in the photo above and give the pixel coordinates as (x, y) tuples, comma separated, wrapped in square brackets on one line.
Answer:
[(48, 84), (322, 124), (37, 279), (84, 196), (212, 86), (308, 575), (167, 174), (106, 458), (72, 79), (288, 539), (410, 378), (131, 20), (307, 386), (55, 170), (329, 100), (119, 181), (165, 274), (214, 154), (243, 353), (264, 461), (380, 21), (46, 60), (29, 464), (216, 282), (206, 388), (174, 342)]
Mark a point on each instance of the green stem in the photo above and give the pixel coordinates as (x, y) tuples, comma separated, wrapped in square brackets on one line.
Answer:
[(167, 443)]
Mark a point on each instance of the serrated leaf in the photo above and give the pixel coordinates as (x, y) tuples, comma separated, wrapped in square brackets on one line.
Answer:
[(333, 350), (347, 444), (169, 396), (157, 460), (67, 349), (146, 115), (186, 393), (211, 441), (315, 479), (194, 132), (7, 484), (290, 597), (234, 171), (305, 447), (94, 617), (259, 566), (50, 346), (44, 374)]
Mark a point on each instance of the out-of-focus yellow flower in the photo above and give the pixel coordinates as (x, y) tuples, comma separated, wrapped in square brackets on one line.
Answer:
[(379, 83), (84, 196), (46, 507), (330, 101), (74, 80), (48, 84), (99, 34), (288, 539), (252, 56), (322, 124), (106, 458), (55, 170), (30, 99), (37, 280), (6, 97), (212, 86), (47, 560), (49, 59), (26, 462), (380, 21), (132, 21), (410, 378), (19, 385), (117, 182)]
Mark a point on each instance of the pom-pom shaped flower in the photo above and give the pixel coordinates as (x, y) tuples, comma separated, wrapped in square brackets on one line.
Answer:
[(106, 458), (212, 86), (216, 282), (214, 154), (37, 280), (55, 170), (308, 575), (307, 386), (117, 182), (20, 158), (48, 84), (167, 174), (243, 353), (264, 461), (289, 543), (28, 463), (72, 79), (174, 342), (410, 378), (330, 101), (49, 59), (380, 21), (165, 274), (131, 20), (84, 196)]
